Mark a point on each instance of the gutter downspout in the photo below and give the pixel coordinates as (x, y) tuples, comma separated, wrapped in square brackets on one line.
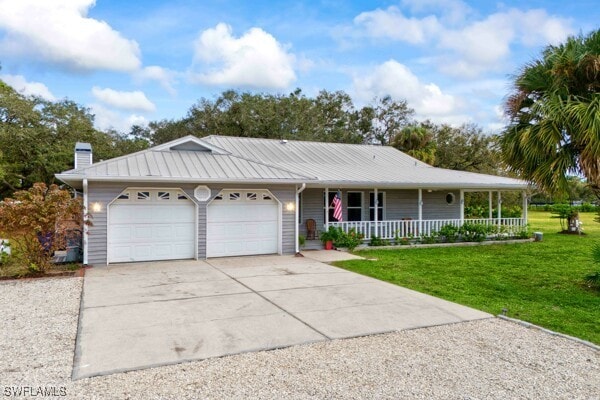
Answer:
[(298, 191), (85, 220)]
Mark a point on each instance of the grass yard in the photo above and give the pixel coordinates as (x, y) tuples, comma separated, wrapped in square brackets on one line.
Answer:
[(541, 282)]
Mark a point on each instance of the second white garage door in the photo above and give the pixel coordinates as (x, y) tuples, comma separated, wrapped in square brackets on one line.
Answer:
[(242, 222)]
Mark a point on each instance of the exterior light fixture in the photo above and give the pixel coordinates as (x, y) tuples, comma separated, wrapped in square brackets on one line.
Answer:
[(96, 207), (290, 206)]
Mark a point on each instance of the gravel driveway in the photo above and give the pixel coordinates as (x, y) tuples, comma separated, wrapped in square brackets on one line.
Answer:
[(485, 359)]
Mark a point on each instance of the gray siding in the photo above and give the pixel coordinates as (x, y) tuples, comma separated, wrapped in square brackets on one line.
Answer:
[(398, 204), (104, 193), (435, 206), (312, 208)]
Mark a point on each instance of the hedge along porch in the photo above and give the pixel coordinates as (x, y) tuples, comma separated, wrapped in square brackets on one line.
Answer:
[(401, 212)]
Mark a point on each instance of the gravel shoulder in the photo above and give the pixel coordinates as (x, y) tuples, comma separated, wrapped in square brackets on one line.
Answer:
[(485, 359)]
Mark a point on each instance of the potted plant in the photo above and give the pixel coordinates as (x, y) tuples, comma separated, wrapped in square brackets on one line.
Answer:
[(328, 237)]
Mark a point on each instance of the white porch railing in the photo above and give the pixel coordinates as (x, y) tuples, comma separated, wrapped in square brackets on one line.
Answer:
[(415, 228)]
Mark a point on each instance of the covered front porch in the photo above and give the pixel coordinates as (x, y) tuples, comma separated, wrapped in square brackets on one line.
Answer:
[(390, 213)]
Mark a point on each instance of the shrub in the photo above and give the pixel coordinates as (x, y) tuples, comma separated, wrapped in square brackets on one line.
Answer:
[(588, 207), (433, 238), (301, 240), (474, 232), (349, 240), (36, 221), (377, 241), (448, 233)]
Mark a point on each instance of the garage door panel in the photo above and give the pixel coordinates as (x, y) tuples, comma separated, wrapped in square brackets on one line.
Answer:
[(121, 233), (242, 227), (157, 230)]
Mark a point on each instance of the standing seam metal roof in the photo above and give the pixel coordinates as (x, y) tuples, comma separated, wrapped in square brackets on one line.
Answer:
[(225, 158)]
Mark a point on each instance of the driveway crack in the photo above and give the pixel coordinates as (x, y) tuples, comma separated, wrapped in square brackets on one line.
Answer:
[(270, 301)]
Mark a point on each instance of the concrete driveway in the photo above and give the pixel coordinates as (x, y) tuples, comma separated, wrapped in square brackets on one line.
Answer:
[(149, 314)]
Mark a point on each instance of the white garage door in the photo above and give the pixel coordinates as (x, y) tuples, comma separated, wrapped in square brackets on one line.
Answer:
[(150, 224), (242, 222)]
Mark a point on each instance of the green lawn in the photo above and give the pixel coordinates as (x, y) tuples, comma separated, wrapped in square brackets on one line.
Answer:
[(537, 282)]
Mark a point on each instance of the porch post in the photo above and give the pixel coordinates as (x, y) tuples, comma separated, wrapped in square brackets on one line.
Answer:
[(297, 216), (326, 208), (86, 228), (462, 207), (420, 200), (499, 208), (524, 216), (375, 216), (490, 202)]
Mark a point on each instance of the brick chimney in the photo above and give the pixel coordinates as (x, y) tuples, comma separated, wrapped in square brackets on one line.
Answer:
[(83, 155)]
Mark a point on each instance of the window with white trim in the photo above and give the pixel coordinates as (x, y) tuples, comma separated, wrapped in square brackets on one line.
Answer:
[(163, 195), (354, 208), (143, 195), (380, 206)]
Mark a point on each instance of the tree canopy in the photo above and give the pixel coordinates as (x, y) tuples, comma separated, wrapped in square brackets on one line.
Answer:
[(328, 117), (554, 108), (37, 139), (37, 136)]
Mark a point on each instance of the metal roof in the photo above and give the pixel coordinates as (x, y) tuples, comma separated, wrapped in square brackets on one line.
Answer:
[(357, 165), (200, 162), (250, 160)]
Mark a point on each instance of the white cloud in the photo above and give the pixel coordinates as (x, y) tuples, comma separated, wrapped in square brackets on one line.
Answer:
[(255, 59), (483, 45), (396, 80), (463, 47), (133, 101), (105, 119), (21, 85), (392, 24), (165, 77), (60, 32)]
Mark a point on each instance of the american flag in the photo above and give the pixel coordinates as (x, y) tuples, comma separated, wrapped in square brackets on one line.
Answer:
[(337, 206)]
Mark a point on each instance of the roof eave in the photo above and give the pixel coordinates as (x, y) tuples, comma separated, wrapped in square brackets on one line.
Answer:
[(412, 185), (74, 179)]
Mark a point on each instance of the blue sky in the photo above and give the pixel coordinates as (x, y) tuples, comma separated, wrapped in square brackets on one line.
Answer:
[(134, 62)]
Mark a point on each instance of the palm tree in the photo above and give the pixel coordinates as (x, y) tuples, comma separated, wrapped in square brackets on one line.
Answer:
[(417, 142), (555, 116)]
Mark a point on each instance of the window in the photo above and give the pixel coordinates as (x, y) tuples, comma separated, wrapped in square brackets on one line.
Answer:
[(251, 196), (355, 200), (329, 206), (219, 197), (450, 198), (380, 206), (266, 197), (124, 196), (143, 195), (181, 196), (164, 195), (234, 196), (300, 208)]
